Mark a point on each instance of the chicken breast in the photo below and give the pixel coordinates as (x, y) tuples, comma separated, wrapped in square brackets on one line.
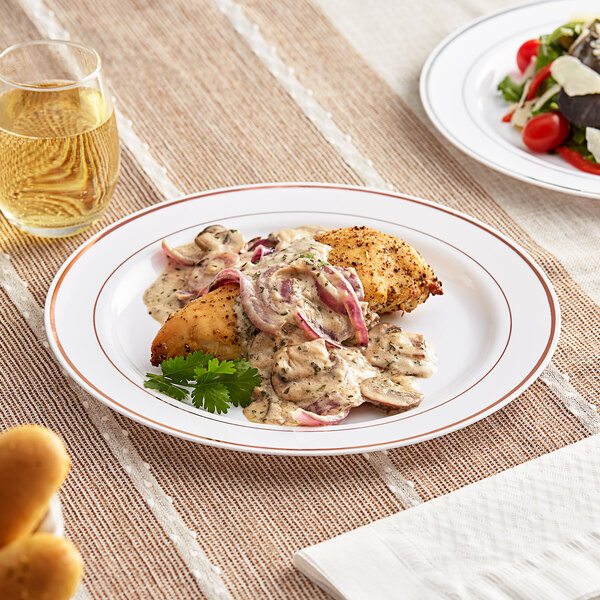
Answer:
[(394, 275), (207, 324)]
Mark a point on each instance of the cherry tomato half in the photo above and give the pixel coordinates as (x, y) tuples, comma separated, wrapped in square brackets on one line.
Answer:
[(545, 132), (525, 53)]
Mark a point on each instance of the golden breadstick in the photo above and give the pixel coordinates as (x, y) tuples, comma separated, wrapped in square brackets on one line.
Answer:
[(33, 465), (39, 567)]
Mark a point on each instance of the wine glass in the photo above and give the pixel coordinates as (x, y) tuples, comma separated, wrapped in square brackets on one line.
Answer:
[(58, 137)]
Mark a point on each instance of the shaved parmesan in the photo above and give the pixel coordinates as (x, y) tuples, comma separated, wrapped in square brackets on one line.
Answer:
[(592, 136), (574, 77), (545, 97)]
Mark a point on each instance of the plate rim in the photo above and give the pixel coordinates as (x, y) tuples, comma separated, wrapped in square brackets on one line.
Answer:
[(82, 381), (455, 141)]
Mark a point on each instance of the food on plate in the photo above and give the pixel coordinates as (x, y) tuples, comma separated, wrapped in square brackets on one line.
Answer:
[(34, 563), (296, 313), (33, 465), (40, 567), (208, 324), (206, 382), (555, 101), (393, 274), (394, 277)]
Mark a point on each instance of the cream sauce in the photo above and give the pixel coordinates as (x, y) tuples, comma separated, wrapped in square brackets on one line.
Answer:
[(299, 372), (161, 297), (214, 249)]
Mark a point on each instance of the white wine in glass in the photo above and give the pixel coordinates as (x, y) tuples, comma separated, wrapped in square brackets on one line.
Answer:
[(58, 138)]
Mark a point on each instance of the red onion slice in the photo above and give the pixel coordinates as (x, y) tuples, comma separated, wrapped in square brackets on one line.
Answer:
[(199, 278), (256, 242), (314, 331), (353, 279), (286, 290), (329, 299), (259, 253), (177, 256), (351, 304), (256, 308), (357, 318), (310, 419), (263, 316), (223, 278), (266, 275)]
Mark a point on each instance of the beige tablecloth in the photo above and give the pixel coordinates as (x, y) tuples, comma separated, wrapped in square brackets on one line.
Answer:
[(215, 93)]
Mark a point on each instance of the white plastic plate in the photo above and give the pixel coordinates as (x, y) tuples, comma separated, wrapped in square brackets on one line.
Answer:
[(458, 90), (495, 327)]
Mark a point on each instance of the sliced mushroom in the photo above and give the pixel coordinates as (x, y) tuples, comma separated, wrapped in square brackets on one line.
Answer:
[(400, 393), (359, 367), (385, 329), (400, 353), (217, 238), (307, 370)]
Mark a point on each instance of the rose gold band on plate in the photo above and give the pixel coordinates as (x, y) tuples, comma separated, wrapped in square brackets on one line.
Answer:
[(544, 357)]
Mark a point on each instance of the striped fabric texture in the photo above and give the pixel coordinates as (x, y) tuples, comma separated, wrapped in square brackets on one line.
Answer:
[(216, 93)]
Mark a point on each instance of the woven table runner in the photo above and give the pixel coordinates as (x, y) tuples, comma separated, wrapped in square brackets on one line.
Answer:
[(217, 93)]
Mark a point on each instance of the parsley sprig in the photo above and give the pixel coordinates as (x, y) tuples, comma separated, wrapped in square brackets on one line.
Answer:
[(212, 384)]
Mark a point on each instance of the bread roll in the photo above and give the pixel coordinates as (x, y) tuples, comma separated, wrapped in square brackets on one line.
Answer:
[(33, 465), (39, 567)]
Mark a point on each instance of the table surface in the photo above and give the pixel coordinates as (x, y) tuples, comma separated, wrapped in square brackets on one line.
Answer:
[(216, 93)]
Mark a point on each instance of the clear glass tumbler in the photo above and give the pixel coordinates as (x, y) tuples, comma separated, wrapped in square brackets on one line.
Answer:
[(59, 145)]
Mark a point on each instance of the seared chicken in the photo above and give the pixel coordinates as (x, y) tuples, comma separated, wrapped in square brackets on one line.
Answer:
[(207, 324), (394, 275)]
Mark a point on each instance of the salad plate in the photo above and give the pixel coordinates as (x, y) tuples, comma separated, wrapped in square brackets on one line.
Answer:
[(494, 328), (458, 88)]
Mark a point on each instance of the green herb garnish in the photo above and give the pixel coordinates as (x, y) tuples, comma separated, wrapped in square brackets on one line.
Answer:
[(557, 43), (212, 384), (577, 141), (511, 90)]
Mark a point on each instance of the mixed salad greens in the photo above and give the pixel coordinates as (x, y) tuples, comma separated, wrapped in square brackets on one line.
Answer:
[(556, 100)]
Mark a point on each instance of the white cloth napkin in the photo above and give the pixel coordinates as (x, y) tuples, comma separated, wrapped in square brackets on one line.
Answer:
[(532, 532)]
